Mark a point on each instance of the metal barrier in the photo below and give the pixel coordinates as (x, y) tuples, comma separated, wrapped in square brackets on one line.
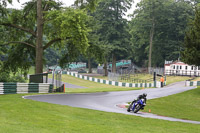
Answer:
[(182, 73), (58, 79), (60, 89), (128, 78), (113, 76)]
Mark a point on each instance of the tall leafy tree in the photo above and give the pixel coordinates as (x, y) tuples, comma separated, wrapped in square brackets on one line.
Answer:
[(43, 23), (113, 28), (191, 53), (157, 30)]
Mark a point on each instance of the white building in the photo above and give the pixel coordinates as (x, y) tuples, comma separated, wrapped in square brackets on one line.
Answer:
[(180, 68)]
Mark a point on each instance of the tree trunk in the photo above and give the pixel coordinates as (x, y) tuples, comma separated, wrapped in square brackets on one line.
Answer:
[(105, 69), (89, 66), (39, 47), (151, 42), (114, 64)]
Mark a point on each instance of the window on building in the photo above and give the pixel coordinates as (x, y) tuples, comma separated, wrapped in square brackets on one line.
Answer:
[(174, 66), (185, 67), (180, 67), (198, 67), (192, 68)]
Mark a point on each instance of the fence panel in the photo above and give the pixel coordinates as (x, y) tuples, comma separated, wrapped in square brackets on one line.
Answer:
[(39, 78)]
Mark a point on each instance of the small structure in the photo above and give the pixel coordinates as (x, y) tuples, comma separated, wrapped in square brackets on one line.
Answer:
[(121, 66), (79, 66), (38, 78), (181, 69)]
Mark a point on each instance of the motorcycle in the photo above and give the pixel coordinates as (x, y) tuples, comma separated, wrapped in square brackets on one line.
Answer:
[(135, 106)]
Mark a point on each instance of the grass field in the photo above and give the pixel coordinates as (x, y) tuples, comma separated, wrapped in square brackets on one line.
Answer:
[(99, 87), (185, 105), (196, 79), (19, 115), (169, 79), (91, 86), (174, 79), (137, 77)]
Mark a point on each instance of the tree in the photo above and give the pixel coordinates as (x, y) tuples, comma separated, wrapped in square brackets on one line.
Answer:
[(50, 25), (157, 30), (191, 53), (52, 55), (112, 28)]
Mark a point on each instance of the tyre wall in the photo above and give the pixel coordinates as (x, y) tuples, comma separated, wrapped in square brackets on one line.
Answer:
[(192, 83), (20, 88)]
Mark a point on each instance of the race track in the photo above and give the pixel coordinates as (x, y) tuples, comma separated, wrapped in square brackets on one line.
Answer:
[(108, 101)]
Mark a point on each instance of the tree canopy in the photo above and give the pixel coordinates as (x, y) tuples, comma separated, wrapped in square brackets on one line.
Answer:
[(97, 29), (65, 28), (159, 25), (112, 28), (191, 53)]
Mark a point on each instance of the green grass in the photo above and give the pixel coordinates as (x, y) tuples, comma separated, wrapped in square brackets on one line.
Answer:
[(196, 79), (101, 77), (99, 87), (136, 77), (174, 79), (19, 115), (91, 86), (170, 79), (185, 105), (31, 70)]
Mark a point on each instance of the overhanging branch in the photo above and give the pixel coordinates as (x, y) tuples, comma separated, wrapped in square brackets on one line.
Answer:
[(21, 43), (19, 27), (51, 42)]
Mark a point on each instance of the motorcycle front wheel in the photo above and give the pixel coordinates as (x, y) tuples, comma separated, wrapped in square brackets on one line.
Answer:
[(130, 107)]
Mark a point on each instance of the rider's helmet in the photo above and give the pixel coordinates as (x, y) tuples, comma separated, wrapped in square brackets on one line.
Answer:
[(144, 94)]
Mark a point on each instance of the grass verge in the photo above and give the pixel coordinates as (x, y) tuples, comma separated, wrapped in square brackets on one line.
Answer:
[(185, 105), (174, 79), (90, 85), (19, 115), (99, 87), (170, 79)]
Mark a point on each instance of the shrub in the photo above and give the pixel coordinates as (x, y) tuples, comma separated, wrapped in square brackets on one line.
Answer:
[(5, 77), (17, 79)]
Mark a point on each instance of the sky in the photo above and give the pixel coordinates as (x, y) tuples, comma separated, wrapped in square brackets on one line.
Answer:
[(18, 5)]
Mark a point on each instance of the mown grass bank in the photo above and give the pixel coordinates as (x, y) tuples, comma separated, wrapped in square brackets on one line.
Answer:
[(174, 79), (19, 115), (169, 79), (90, 85), (184, 105), (99, 87)]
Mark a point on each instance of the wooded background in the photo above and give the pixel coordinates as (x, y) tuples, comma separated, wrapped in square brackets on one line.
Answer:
[(97, 31)]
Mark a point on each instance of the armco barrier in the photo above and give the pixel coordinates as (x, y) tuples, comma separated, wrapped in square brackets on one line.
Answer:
[(192, 83), (18, 88), (115, 83)]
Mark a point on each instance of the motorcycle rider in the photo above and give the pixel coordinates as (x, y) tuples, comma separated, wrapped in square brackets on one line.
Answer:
[(142, 96)]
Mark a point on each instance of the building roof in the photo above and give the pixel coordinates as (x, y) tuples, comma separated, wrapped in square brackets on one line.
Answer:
[(176, 63)]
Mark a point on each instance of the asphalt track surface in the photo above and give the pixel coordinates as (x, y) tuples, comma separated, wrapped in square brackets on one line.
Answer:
[(67, 85), (111, 101)]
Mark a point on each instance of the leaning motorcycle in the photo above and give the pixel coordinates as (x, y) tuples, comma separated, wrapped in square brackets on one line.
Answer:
[(135, 106)]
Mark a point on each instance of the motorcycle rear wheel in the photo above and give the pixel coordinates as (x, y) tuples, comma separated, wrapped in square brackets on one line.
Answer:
[(137, 108)]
